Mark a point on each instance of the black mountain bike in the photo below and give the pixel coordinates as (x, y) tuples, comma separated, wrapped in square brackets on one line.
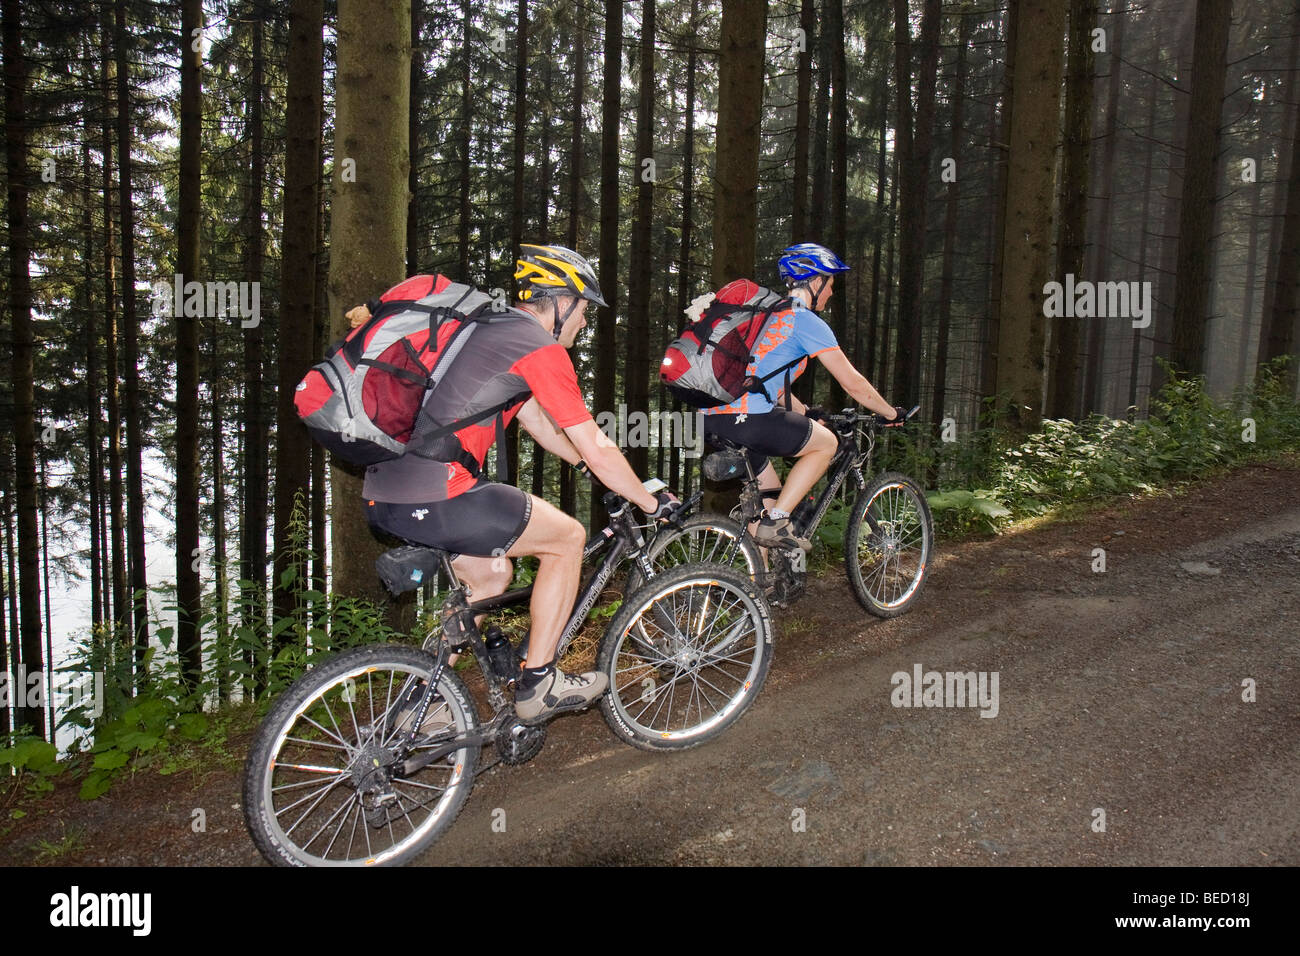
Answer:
[(888, 541), (369, 757)]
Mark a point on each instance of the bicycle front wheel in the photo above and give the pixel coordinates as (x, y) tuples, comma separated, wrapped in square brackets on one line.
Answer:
[(685, 656), (325, 783), (703, 539), (888, 544)]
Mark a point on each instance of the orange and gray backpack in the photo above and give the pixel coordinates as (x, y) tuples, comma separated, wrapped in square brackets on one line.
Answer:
[(362, 400), (708, 364)]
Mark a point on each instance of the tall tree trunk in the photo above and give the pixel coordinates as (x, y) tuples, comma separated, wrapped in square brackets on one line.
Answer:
[(914, 140), (413, 220), (1026, 255), (684, 272), (319, 457), (820, 134), (187, 352), (839, 176), (121, 614), (636, 372), (543, 236), (1143, 243), (96, 476), (1163, 322), (1096, 357), (466, 127), (611, 110), (802, 129), (367, 217), (988, 362), (950, 229), (1290, 128), (17, 174), (740, 115), (1072, 239), (1286, 292), (252, 534), (881, 238), (304, 66), (889, 271), (1200, 193), (1245, 374), (130, 321), (221, 630), (51, 721), (568, 489), (511, 450)]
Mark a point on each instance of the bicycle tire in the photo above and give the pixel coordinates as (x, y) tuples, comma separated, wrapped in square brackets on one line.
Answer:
[(901, 508), (701, 539), (338, 690), (637, 650)]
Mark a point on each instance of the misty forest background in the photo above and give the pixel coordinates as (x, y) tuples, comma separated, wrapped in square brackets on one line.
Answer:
[(958, 155)]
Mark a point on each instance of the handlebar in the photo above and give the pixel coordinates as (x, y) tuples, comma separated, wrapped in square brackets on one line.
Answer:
[(849, 418)]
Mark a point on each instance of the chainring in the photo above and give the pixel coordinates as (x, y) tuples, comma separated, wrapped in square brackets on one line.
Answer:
[(517, 744)]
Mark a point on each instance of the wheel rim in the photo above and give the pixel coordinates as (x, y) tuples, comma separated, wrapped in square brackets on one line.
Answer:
[(330, 800), (689, 659), (891, 564), (706, 544)]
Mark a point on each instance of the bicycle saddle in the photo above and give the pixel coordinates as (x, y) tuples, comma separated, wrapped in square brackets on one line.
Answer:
[(725, 464), (405, 569)]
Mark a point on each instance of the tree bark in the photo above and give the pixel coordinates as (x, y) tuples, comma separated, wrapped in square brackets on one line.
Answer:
[(915, 136), (606, 338), (1026, 254), (839, 178), (367, 218), (96, 476), (16, 75), (740, 114), (988, 363), (1286, 292), (130, 321), (568, 489), (802, 130), (1200, 193), (1072, 240), (1282, 198), (413, 221), (187, 352), (252, 533), (466, 127), (304, 66), (636, 373), (939, 410)]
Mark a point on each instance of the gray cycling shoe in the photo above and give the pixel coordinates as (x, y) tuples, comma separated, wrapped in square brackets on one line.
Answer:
[(558, 693), (437, 719), (779, 533)]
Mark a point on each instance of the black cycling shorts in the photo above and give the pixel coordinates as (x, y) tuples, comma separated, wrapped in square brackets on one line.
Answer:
[(484, 521), (778, 433)]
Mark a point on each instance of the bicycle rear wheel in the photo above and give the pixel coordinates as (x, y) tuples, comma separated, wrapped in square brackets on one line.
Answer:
[(686, 655), (886, 564), (323, 785)]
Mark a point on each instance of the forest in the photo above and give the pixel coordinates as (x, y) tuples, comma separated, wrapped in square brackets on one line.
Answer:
[(1069, 223)]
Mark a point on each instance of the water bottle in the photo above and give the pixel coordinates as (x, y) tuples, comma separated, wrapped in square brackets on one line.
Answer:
[(500, 654)]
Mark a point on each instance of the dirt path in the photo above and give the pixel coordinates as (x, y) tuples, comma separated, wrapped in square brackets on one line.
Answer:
[(1118, 691)]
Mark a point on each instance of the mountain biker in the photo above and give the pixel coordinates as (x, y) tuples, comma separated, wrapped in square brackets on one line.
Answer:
[(435, 494), (783, 427)]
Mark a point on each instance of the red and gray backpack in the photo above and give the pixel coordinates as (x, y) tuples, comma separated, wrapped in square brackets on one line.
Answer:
[(362, 400), (708, 364)]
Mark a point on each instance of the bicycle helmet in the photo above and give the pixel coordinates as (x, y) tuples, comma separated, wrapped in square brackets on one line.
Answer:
[(807, 260), (544, 271)]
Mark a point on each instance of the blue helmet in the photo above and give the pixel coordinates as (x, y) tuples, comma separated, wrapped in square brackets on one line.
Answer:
[(807, 260)]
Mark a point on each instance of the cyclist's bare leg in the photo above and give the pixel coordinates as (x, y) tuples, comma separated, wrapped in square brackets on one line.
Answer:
[(557, 541), (814, 458)]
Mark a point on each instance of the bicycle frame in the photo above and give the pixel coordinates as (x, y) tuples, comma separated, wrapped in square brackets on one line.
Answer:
[(621, 537)]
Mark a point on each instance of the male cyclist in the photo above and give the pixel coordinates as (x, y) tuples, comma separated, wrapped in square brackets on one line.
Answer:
[(779, 426), (435, 494)]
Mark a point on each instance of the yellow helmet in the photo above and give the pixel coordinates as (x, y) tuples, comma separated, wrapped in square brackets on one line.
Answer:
[(543, 271)]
